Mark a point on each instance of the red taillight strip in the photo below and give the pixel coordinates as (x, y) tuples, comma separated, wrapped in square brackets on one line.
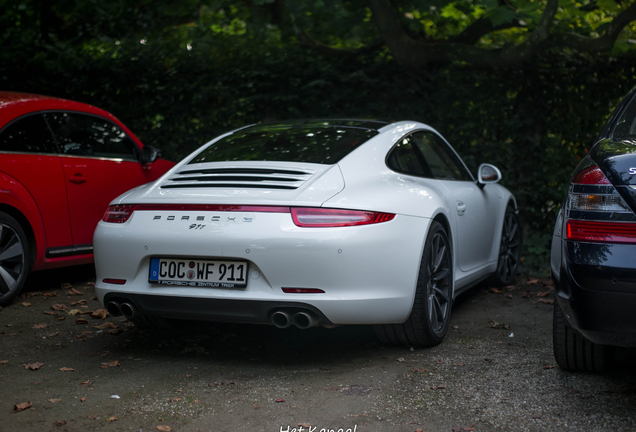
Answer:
[(120, 213), (328, 218), (303, 291), (604, 232), (213, 207)]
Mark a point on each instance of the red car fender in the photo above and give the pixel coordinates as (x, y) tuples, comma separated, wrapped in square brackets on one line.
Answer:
[(14, 195)]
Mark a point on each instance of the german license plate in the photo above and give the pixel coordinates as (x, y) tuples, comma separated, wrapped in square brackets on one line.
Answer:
[(198, 273)]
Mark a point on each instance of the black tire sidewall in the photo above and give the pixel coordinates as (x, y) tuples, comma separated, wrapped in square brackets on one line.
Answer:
[(8, 220)]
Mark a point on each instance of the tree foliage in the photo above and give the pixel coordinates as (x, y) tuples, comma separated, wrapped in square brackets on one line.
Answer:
[(180, 73)]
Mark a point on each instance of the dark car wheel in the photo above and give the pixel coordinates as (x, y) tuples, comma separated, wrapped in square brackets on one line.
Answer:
[(428, 322), (574, 352), (509, 250), (14, 253)]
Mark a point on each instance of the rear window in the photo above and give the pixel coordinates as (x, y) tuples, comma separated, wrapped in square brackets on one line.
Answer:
[(626, 125), (312, 143)]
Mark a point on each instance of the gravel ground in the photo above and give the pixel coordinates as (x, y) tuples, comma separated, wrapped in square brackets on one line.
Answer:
[(494, 371)]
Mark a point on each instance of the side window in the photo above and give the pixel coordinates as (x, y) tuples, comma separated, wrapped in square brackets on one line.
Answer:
[(626, 125), (406, 158), (28, 134), (442, 161), (92, 136)]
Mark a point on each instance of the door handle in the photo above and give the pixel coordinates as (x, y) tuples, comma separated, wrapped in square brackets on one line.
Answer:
[(461, 208), (77, 179)]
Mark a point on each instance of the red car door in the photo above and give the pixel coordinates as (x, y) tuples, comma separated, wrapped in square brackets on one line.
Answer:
[(100, 162)]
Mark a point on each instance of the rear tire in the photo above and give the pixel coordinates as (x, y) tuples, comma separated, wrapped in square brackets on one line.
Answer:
[(509, 250), (428, 322), (574, 352), (14, 258)]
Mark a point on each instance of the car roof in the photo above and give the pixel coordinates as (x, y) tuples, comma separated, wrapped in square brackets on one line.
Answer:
[(350, 123), (15, 104)]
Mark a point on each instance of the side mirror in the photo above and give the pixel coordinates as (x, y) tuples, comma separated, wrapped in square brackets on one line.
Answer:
[(488, 174), (149, 154)]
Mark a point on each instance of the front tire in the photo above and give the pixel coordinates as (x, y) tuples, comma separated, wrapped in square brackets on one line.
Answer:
[(428, 322), (574, 352), (14, 258)]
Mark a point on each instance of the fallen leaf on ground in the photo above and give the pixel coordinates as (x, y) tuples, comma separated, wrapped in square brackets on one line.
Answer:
[(79, 302), (33, 366), (115, 331), (52, 335), (498, 325), (49, 313), (401, 359), (87, 383), (74, 312), (91, 417), (83, 399), (4, 361), (25, 304), (67, 369), (112, 419), (280, 400), (51, 294), (542, 300), (106, 325), (421, 370), (526, 294), (73, 291), (81, 321), (112, 363), (509, 296), (58, 307), (510, 288), (39, 326), (495, 291), (21, 407), (100, 313), (437, 387), (164, 428), (458, 364), (54, 400), (543, 294), (59, 423), (533, 281), (66, 285), (549, 367)]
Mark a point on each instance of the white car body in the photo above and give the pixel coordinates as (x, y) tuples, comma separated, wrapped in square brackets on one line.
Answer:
[(367, 273)]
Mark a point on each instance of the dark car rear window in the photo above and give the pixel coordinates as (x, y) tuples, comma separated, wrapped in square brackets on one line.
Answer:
[(626, 125), (322, 143)]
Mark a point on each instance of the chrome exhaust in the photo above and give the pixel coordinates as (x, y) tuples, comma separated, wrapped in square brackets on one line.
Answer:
[(127, 310), (113, 308), (304, 320), (281, 319)]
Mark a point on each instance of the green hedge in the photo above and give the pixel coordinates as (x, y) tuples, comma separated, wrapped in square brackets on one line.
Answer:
[(534, 122)]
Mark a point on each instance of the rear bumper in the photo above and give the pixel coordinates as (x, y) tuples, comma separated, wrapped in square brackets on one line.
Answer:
[(597, 291), (368, 277)]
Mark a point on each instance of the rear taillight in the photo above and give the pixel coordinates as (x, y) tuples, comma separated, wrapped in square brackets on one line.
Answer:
[(118, 213), (325, 218), (604, 232), (593, 208)]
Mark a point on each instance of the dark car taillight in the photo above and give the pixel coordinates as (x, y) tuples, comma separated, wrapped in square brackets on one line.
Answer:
[(595, 210)]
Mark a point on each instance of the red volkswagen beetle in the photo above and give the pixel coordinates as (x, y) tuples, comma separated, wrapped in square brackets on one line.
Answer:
[(61, 163)]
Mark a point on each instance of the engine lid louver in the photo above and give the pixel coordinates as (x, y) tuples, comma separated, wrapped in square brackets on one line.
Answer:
[(239, 178)]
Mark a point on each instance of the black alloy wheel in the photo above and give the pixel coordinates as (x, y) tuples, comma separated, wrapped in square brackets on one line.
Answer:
[(14, 253), (509, 250), (428, 322)]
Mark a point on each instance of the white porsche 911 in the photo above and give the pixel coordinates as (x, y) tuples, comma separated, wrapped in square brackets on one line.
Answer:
[(305, 223)]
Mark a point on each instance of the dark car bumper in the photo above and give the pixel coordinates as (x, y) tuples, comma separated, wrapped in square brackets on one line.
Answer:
[(597, 291)]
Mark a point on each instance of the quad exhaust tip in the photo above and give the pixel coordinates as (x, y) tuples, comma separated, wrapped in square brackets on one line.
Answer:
[(114, 309), (127, 310)]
